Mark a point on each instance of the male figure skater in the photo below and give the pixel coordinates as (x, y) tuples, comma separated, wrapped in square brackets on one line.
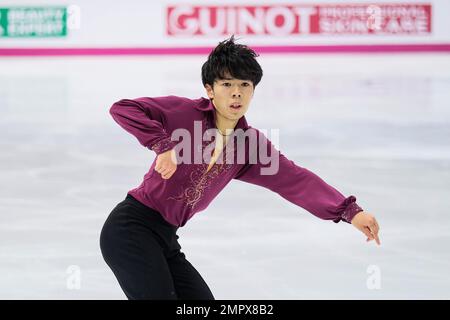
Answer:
[(138, 240)]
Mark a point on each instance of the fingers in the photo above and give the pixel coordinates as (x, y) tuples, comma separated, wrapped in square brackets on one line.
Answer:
[(165, 164), (368, 234), (368, 225), (166, 173), (374, 228), (376, 223)]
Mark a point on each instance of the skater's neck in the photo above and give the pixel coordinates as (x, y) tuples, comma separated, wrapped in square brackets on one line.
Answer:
[(225, 126)]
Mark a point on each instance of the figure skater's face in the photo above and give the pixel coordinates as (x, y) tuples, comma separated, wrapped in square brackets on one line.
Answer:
[(231, 96)]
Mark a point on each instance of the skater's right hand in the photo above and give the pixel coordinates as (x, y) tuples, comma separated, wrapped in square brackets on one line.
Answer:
[(166, 164)]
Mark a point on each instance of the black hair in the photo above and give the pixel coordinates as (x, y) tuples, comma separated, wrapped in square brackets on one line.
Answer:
[(235, 59)]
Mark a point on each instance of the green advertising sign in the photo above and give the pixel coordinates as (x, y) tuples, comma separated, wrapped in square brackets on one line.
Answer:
[(33, 22), (3, 22)]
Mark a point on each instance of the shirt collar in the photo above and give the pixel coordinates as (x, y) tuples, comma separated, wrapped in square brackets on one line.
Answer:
[(207, 106)]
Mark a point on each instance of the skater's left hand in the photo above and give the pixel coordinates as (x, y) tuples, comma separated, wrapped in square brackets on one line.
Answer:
[(368, 225)]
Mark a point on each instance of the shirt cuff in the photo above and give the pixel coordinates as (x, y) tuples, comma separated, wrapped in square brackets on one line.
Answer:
[(348, 209), (163, 145)]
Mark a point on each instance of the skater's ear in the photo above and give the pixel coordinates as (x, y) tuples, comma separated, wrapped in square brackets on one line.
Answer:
[(209, 91)]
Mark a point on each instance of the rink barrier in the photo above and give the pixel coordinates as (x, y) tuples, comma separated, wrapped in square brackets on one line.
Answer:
[(385, 48)]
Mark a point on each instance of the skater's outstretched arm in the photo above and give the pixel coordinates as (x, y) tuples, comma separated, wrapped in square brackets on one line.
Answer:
[(307, 190)]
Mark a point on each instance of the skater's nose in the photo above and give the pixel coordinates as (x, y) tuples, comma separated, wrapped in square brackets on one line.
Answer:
[(237, 92)]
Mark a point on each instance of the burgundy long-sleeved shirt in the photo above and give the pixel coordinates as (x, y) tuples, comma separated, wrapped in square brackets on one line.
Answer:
[(191, 188)]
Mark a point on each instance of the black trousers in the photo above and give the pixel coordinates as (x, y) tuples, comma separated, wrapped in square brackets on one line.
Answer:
[(142, 250)]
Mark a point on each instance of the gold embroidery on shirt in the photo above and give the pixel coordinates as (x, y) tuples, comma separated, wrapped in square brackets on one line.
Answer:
[(200, 179)]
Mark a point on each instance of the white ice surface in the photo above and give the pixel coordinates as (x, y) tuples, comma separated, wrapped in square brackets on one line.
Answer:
[(375, 126)]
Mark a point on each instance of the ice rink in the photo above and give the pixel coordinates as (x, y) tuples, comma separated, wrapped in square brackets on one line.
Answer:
[(373, 125)]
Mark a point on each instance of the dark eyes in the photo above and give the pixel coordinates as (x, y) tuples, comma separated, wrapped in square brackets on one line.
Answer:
[(228, 84)]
